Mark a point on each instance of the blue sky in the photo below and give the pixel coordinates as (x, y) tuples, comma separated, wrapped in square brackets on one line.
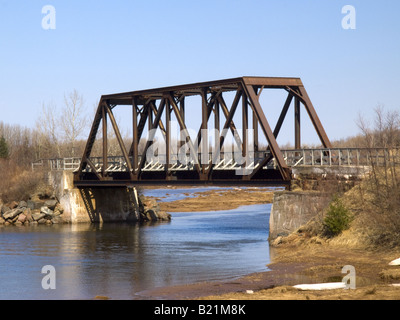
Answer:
[(101, 47)]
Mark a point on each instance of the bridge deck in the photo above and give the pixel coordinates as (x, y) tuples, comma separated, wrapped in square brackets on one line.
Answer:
[(333, 157)]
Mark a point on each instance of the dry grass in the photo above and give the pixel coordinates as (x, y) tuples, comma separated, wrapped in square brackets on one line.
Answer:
[(17, 183), (215, 200), (375, 225)]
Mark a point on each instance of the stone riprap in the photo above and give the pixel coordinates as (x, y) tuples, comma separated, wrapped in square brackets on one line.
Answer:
[(32, 212)]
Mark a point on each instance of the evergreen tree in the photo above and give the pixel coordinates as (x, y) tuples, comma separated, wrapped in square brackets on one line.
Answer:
[(3, 148)]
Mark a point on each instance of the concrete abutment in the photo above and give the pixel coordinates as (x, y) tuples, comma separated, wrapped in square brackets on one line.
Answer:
[(102, 204)]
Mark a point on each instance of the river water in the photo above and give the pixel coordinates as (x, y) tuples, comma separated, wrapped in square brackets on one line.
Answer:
[(121, 260)]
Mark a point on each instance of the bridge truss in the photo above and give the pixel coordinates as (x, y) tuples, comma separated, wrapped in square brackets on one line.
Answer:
[(198, 160)]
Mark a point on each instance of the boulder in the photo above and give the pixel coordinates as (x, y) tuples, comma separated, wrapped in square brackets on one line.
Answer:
[(22, 218), (47, 212), (13, 204), (162, 215), (2, 221), (51, 204), (151, 215), (38, 216), (11, 214), (4, 209), (58, 210), (22, 204), (30, 204), (28, 214), (57, 219), (42, 221)]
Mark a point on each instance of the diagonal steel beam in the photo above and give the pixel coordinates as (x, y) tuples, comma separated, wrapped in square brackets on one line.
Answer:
[(302, 95), (228, 124), (186, 132), (92, 137), (283, 115), (314, 118), (276, 133), (226, 113), (151, 134), (276, 152), (119, 138), (209, 107)]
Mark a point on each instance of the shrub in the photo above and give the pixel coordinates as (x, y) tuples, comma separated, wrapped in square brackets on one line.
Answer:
[(337, 218)]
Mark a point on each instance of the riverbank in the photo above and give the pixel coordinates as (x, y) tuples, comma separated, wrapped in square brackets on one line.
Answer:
[(298, 261)]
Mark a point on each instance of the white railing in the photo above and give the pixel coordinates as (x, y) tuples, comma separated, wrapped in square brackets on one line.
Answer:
[(342, 157), (59, 164), (228, 161)]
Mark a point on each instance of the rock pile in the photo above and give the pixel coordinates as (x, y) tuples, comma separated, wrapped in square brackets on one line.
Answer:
[(151, 211), (31, 212)]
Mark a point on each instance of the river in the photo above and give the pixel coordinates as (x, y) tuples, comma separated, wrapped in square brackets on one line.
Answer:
[(121, 260)]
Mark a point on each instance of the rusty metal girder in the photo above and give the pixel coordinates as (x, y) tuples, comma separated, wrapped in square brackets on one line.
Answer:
[(149, 106)]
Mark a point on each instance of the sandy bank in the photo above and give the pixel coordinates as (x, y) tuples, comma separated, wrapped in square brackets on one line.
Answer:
[(219, 199)]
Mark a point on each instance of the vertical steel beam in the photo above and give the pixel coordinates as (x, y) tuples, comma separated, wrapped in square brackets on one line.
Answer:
[(297, 137), (255, 132), (204, 133), (216, 127), (105, 144), (245, 124), (149, 116), (167, 135), (182, 115), (135, 134)]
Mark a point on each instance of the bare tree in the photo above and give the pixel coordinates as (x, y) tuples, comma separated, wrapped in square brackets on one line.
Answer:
[(384, 134), (73, 121), (48, 134)]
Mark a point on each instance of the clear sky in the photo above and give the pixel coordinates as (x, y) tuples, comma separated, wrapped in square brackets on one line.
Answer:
[(100, 47)]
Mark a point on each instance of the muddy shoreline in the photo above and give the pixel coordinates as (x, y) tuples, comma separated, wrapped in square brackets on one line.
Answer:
[(309, 262)]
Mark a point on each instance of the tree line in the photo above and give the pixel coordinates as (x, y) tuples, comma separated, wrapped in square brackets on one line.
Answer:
[(57, 133)]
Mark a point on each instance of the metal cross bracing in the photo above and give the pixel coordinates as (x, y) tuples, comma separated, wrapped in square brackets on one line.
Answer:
[(198, 161)]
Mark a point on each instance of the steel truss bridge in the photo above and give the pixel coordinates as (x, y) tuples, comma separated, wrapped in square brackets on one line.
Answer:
[(154, 109)]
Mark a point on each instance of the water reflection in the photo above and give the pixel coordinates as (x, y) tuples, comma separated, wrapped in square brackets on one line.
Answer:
[(119, 260)]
